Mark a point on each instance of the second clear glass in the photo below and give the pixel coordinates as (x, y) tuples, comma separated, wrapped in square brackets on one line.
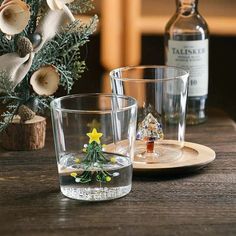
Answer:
[(161, 93)]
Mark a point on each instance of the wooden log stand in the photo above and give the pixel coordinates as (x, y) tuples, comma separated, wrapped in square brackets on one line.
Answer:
[(26, 136)]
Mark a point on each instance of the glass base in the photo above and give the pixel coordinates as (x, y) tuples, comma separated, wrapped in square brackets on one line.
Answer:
[(88, 181), (164, 152), (95, 194)]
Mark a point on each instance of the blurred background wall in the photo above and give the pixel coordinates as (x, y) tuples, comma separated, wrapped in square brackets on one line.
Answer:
[(131, 32)]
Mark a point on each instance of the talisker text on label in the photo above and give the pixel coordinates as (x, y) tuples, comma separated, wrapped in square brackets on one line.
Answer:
[(188, 51)]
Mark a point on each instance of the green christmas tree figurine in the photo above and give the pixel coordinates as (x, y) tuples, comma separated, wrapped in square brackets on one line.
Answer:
[(94, 161)]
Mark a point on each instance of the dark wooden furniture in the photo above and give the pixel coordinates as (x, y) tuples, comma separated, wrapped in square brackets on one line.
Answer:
[(199, 203)]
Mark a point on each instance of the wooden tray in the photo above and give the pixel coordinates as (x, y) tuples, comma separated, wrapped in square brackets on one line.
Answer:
[(194, 156)]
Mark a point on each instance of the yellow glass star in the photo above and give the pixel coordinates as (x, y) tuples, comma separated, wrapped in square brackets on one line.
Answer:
[(94, 136)]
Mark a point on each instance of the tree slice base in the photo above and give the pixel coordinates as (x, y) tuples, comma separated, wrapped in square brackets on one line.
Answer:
[(26, 136)]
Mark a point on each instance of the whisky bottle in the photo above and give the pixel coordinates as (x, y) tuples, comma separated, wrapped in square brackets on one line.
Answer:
[(186, 46)]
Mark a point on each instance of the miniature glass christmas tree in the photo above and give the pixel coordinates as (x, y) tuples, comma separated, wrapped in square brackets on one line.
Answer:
[(150, 130)]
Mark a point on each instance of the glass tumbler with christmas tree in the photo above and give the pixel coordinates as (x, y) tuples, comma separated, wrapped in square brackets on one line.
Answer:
[(94, 137), (161, 93)]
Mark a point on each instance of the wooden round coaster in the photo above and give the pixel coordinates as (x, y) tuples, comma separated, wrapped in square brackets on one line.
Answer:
[(194, 156)]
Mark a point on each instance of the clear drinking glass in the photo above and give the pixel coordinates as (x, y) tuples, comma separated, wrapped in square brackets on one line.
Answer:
[(94, 137), (161, 93)]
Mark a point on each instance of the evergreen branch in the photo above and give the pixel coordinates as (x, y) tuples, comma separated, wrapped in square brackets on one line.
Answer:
[(63, 52), (65, 44), (44, 102), (6, 45), (88, 28), (36, 7), (66, 79), (78, 69), (8, 115), (6, 85), (81, 6), (10, 97)]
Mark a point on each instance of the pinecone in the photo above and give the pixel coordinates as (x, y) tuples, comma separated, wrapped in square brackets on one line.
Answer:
[(25, 113), (24, 46)]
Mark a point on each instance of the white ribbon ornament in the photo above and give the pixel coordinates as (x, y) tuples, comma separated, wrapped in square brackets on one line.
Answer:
[(15, 66)]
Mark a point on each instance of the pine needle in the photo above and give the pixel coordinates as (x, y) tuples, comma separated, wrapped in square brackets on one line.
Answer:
[(81, 6)]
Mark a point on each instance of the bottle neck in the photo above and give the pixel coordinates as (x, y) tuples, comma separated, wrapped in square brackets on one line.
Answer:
[(186, 7)]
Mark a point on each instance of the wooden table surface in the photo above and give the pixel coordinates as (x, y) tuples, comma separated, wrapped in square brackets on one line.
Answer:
[(199, 203)]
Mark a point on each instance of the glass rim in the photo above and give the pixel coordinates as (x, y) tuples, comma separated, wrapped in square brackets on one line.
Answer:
[(95, 111), (127, 68)]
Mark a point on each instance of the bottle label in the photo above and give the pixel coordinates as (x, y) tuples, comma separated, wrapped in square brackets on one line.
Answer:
[(191, 56)]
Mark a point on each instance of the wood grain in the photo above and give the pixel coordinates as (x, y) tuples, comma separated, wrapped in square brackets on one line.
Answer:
[(26, 136), (199, 203)]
